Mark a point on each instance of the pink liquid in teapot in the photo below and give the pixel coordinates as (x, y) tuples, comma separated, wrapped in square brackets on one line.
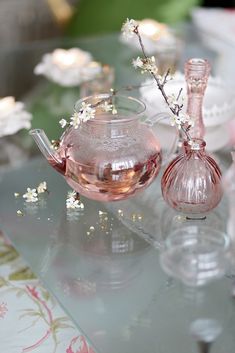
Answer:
[(108, 183)]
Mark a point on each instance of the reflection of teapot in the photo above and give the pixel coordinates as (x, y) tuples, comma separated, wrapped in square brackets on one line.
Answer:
[(109, 157), (107, 257)]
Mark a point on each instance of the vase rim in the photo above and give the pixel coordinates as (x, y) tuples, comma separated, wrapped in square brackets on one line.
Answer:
[(195, 144), (139, 106)]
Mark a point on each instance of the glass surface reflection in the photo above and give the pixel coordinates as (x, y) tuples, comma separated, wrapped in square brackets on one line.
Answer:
[(105, 275), (109, 256)]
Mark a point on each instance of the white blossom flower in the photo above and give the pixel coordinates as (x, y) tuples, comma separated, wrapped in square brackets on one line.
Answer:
[(149, 65), (72, 203), (107, 107), (146, 65), (63, 123), (42, 187), (176, 121), (137, 63), (180, 120), (31, 195), (75, 120), (71, 194), (85, 113), (128, 28), (173, 101)]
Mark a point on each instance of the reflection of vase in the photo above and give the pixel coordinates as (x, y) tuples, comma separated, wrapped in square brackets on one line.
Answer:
[(192, 181)]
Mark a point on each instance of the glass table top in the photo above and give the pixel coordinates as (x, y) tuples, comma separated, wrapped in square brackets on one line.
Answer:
[(102, 264)]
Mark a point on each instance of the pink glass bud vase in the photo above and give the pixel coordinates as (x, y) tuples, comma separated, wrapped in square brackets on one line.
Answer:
[(196, 75), (192, 181)]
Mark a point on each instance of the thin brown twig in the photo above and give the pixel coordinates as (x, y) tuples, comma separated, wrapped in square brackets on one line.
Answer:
[(177, 108)]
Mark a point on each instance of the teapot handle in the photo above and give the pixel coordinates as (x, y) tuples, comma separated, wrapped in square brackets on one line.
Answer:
[(152, 121)]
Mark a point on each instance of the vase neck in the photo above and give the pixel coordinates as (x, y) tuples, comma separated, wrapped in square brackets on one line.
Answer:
[(196, 75), (194, 145)]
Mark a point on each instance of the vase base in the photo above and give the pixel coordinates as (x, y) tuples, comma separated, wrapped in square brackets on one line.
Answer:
[(196, 217)]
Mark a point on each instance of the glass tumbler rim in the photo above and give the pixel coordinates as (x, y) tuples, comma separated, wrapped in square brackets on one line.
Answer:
[(134, 116), (195, 256), (196, 231)]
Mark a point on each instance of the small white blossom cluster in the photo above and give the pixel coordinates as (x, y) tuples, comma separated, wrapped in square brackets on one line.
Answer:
[(181, 120), (32, 194), (128, 28), (173, 102), (73, 201), (42, 187), (146, 65), (87, 112), (108, 107)]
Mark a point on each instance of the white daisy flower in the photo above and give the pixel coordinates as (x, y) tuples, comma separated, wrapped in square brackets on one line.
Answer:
[(31, 195), (128, 28)]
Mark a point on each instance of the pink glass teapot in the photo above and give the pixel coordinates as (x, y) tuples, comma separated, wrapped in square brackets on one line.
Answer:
[(110, 157)]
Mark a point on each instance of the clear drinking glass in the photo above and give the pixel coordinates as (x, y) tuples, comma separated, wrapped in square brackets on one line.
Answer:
[(195, 254)]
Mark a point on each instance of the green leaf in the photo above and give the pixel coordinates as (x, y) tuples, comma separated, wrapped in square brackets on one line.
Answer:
[(3, 282), (9, 255), (30, 313), (22, 274)]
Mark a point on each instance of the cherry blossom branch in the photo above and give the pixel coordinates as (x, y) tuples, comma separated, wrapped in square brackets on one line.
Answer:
[(147, 64)]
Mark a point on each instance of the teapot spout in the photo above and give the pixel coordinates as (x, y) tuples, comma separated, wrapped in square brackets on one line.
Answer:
[(47, 150)]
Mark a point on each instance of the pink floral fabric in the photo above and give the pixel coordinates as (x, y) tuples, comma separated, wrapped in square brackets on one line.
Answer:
[(30, 319)]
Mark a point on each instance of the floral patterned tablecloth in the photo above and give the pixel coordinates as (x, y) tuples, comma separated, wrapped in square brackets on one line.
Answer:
[(30, 318)]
